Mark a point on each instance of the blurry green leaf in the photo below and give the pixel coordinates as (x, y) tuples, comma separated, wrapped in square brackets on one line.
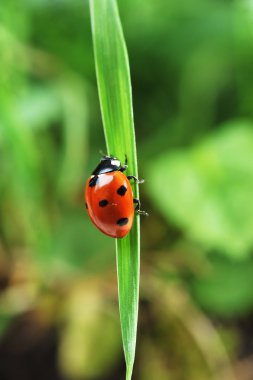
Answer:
[(22, 201), (226, 289), (90, 342), (72, 95), (76, 246), (39, 107), (204, 76), (114, 87), (69, 38), (207, 190)]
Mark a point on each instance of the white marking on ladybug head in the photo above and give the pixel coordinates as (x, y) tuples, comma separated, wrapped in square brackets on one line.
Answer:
[(115, 162)]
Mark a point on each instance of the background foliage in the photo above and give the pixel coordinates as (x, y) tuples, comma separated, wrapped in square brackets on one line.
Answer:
[(191, 67)]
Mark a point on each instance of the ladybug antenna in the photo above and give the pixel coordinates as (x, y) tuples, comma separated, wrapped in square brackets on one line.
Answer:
[(104, 155), (107, 155)]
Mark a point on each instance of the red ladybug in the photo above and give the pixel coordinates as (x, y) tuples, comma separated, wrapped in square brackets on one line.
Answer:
[(109, 198)]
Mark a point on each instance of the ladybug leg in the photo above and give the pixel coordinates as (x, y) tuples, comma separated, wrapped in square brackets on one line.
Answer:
[(138, 208), (125, 166), (135, 179)]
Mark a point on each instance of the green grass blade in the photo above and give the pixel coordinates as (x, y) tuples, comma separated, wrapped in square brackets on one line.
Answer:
[(113, 77)]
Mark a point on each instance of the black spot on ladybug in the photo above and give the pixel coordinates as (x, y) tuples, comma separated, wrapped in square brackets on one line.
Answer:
[(122, 190), (93, 181), (86, 205), (122, 221), (103, 203)]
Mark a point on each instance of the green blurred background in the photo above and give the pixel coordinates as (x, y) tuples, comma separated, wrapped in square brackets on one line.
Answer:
[(192, 78)]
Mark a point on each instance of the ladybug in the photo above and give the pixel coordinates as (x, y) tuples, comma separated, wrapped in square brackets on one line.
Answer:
[(109, 198)]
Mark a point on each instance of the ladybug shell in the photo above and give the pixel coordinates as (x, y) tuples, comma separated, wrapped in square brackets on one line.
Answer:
[(109, 202)]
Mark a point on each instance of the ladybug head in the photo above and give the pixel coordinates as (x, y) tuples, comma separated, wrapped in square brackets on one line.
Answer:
[(107, 164)]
